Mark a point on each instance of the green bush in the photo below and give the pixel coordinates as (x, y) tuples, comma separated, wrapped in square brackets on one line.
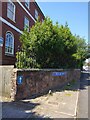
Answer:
[(51, 46)]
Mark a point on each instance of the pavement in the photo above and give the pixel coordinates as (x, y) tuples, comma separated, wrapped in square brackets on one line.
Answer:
[(59, 103)]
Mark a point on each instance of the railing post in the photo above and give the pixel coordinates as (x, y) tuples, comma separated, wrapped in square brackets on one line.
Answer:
[(18, 60)]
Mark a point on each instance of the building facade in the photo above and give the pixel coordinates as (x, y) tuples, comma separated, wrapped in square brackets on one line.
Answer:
[(15, 16)]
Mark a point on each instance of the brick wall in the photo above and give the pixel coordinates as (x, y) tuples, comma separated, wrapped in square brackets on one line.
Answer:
[(26, 83), (19, 84)]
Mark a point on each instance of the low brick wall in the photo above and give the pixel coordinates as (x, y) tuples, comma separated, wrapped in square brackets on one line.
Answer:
[(26, 83)]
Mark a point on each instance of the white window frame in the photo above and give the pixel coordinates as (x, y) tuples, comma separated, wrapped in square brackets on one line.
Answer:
[(10, 11), (26, 26), (27, 3), (9, 47), (36, 14)]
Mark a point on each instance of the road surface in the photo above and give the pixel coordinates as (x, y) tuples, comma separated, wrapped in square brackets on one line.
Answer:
[(82, 109)]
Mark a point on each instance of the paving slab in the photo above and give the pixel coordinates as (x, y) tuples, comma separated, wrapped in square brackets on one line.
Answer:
[(58, 105)]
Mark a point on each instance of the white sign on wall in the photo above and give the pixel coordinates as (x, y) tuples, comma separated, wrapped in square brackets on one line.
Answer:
[(1, 41)]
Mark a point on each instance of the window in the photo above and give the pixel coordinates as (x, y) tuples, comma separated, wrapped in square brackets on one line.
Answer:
[(27, 3), (9, 44), (11, 10), (26, 23), (42, 20), (36, 14)]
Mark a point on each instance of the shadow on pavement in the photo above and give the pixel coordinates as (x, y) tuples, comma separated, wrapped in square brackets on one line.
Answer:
[(84, 80), (17, 110)]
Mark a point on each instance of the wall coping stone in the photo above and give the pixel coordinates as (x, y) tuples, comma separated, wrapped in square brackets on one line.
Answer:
[(46, 70), (3, 66)]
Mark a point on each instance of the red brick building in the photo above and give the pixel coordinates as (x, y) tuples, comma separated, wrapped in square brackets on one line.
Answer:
[(15, 17)]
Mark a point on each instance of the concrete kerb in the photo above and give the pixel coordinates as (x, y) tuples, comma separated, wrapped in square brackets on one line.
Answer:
[(76, 104), (78, 91), (77, 101)]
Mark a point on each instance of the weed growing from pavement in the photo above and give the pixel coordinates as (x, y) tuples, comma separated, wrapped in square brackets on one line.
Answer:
[(70, 85), (50, 93)]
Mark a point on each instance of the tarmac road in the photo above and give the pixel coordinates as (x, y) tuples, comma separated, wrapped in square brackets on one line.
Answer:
[(82, 109)]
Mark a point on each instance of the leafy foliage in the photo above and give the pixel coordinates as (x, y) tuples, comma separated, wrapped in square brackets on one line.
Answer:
[(51, 46)]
